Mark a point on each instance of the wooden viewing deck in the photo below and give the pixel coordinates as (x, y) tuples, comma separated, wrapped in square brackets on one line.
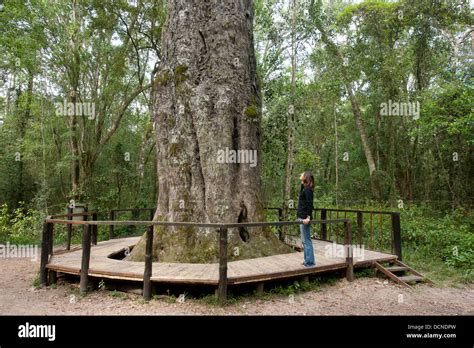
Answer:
[(239, 272)]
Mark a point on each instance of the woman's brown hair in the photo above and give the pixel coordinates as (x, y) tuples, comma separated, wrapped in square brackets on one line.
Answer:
[(308, 180)]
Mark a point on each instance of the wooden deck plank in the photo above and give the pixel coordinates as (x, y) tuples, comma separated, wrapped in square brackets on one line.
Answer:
[(242, 271)]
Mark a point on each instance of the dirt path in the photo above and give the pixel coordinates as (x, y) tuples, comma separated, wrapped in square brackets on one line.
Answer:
[(365, 296)]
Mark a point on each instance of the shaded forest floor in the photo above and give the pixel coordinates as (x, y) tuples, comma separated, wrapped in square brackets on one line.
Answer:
[(366, 296)]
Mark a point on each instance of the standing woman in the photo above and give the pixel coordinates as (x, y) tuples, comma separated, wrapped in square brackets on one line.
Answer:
[(304, 211)]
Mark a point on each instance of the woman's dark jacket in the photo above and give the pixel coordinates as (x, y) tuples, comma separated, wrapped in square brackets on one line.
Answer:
[(305, 203)]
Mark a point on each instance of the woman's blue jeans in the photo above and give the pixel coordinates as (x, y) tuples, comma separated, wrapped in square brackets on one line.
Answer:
[(307, 244)]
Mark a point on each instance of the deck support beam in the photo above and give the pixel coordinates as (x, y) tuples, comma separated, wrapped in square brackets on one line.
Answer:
[(52, 277), (397, 240), (148, 264), (86, 255), (349, 255), (94, 229), (324, 228), (111, 227), (222, 289), (69, 229), (45, 245)]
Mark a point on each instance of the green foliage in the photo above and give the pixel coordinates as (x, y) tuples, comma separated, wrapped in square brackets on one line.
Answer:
[(36, 282), (92, 53), (4, 223), (364, 273), (22, 226), (118, 294), (447, 238)]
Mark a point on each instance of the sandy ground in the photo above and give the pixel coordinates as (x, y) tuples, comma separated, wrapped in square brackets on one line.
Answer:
[(365, 296)]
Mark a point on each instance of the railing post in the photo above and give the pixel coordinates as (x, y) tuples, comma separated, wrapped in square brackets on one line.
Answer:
[(280, 229), (111, 227), (324, 229), (396, 233), (135, 217), (44, 254), (69, 229), (51, 238), (86, 254), (52, 277), (360, 227), (222, 289), (349, 255), (94, 229), (152, 214), (148, 264)]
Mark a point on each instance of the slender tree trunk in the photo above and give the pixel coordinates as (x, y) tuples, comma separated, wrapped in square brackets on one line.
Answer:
[(74, 145), (356, 113), (24, 113), (336, 154), (207, 102), (291, 121), (327, 165), (142, 154), (142, 159), (74, 75), (364, 139)]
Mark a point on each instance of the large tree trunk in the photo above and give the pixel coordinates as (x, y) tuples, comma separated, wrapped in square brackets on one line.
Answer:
[(206, 99)]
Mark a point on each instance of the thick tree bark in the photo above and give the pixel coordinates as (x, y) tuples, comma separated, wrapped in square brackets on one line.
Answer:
[(206, 99)]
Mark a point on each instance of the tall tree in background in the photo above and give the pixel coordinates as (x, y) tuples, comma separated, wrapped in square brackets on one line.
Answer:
[(317, 16), (207, 100), (291, 118)]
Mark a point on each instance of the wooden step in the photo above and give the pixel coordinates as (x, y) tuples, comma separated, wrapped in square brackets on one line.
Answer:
[(396, 268), (390, 275), (411, 278), (425, 279)]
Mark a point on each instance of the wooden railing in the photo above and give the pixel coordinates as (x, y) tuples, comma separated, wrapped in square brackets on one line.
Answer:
[(372, 236), (85, 215), (135, 211), (222, 228)]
